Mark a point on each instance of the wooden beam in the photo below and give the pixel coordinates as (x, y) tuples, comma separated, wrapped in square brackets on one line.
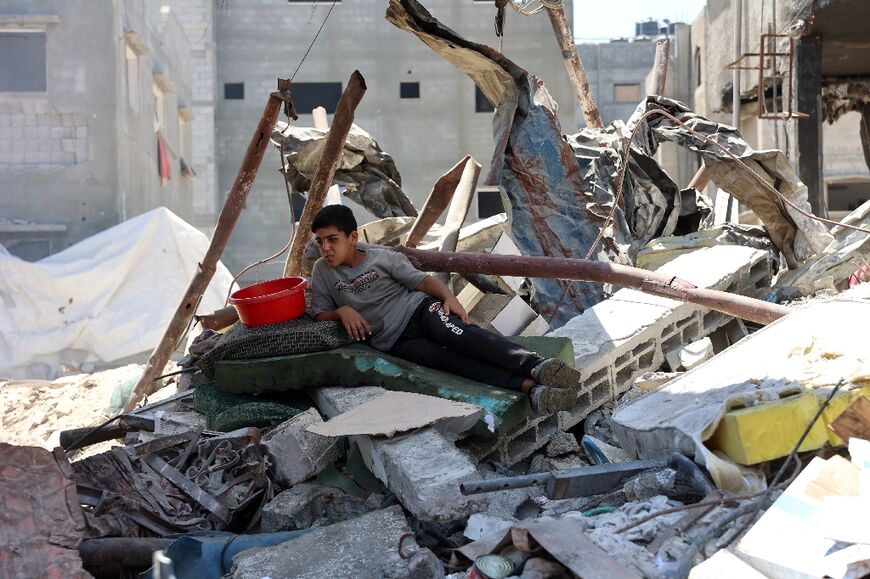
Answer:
[(576, 73), (437, 201), (226, 222), (335, 138)]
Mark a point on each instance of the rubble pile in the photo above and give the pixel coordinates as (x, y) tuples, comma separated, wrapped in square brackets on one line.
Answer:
[(722, 416)]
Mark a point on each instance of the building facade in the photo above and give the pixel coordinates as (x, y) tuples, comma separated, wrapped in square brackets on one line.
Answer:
[(95, 119), (828, 155), (420, 108), (617, 72)]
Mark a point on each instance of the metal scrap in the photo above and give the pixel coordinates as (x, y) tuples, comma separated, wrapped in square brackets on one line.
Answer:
[(368, 174), (224, 486)]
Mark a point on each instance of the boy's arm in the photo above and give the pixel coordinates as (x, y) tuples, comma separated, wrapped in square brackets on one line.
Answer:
[(354, 324), (438, 289), (328, 311)]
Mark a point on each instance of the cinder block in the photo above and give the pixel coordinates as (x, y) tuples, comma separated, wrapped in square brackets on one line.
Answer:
[(423, 468), (623, 337)]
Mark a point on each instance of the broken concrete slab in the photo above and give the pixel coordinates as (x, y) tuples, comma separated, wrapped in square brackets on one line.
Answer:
[(360, 365), (481, 525), (810, 350), (562, 443), (623, 337), (423, 469), (366, 546), (295, 454), (310, 505), (394, 412)]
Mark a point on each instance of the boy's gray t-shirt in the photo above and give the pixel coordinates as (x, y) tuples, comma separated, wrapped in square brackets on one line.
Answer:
[(381, 289)]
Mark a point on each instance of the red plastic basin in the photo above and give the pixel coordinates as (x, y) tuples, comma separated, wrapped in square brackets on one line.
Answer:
[(269, 302)]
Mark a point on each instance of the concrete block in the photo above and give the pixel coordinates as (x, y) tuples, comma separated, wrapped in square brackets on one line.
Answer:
[(295, 454), (538, 327), (309, 505), (621, 338), (688, 356), (362, 547), (514, 317), (423, 469)]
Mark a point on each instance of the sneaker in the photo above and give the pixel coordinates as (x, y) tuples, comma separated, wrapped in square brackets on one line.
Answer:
[(556, 373), (546, 400)]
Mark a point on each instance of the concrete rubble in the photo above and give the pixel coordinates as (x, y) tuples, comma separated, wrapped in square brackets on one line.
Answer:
[(707, 440)]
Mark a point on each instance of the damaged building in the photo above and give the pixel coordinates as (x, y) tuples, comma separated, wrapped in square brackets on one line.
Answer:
[(696, 396)]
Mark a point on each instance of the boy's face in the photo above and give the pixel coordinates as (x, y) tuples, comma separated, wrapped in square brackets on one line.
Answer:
[(336, 247)]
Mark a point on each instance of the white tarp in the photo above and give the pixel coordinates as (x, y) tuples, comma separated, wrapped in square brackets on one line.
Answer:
[(106, 298)]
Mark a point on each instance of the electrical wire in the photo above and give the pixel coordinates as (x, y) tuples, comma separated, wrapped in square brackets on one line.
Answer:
[(686, 559), (292, 230), (313, 40)]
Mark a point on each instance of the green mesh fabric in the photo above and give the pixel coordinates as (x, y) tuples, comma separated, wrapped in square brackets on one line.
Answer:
[(299, 336), (225, 411)]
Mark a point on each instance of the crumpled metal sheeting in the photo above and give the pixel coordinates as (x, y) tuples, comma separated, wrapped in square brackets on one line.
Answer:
[(41, 523), (847, 254), (227, 473), (557, 206), (844, 97), (796, 235), (368, 174)]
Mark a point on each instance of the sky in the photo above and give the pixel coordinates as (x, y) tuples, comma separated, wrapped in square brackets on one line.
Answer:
[(599, 20)]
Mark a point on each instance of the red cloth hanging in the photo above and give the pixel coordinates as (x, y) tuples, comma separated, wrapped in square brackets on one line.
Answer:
[(163, 165)]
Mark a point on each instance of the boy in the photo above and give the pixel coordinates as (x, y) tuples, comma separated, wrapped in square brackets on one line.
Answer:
[(378, 296)]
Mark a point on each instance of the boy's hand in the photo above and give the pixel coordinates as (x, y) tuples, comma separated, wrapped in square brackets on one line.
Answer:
[(452, 306), (354, 324)]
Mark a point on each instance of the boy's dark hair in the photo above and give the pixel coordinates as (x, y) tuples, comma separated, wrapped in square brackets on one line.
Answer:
[(337, 216)]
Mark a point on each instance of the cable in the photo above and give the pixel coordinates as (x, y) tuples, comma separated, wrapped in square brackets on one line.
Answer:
[(292, 230), (310, 46)]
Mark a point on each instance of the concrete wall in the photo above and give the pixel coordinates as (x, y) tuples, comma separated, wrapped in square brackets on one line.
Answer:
[(259, 40), (617, 62), (75, 154), (197, 19)]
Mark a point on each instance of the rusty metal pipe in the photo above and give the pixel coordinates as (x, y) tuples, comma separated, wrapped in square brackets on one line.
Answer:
[(650, 282), (117, 552), (326, 166)]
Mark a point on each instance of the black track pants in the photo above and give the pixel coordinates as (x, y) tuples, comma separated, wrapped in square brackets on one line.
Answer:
[(446, 343)]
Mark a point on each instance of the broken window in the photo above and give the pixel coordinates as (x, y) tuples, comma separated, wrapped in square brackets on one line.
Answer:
[(307, 96), (409, 90), (626, 93), (489, 202), (234, 90), (481, 103), (25, 72)]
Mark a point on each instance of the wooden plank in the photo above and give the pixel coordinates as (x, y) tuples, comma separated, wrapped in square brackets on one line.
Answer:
[(854, 420)]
